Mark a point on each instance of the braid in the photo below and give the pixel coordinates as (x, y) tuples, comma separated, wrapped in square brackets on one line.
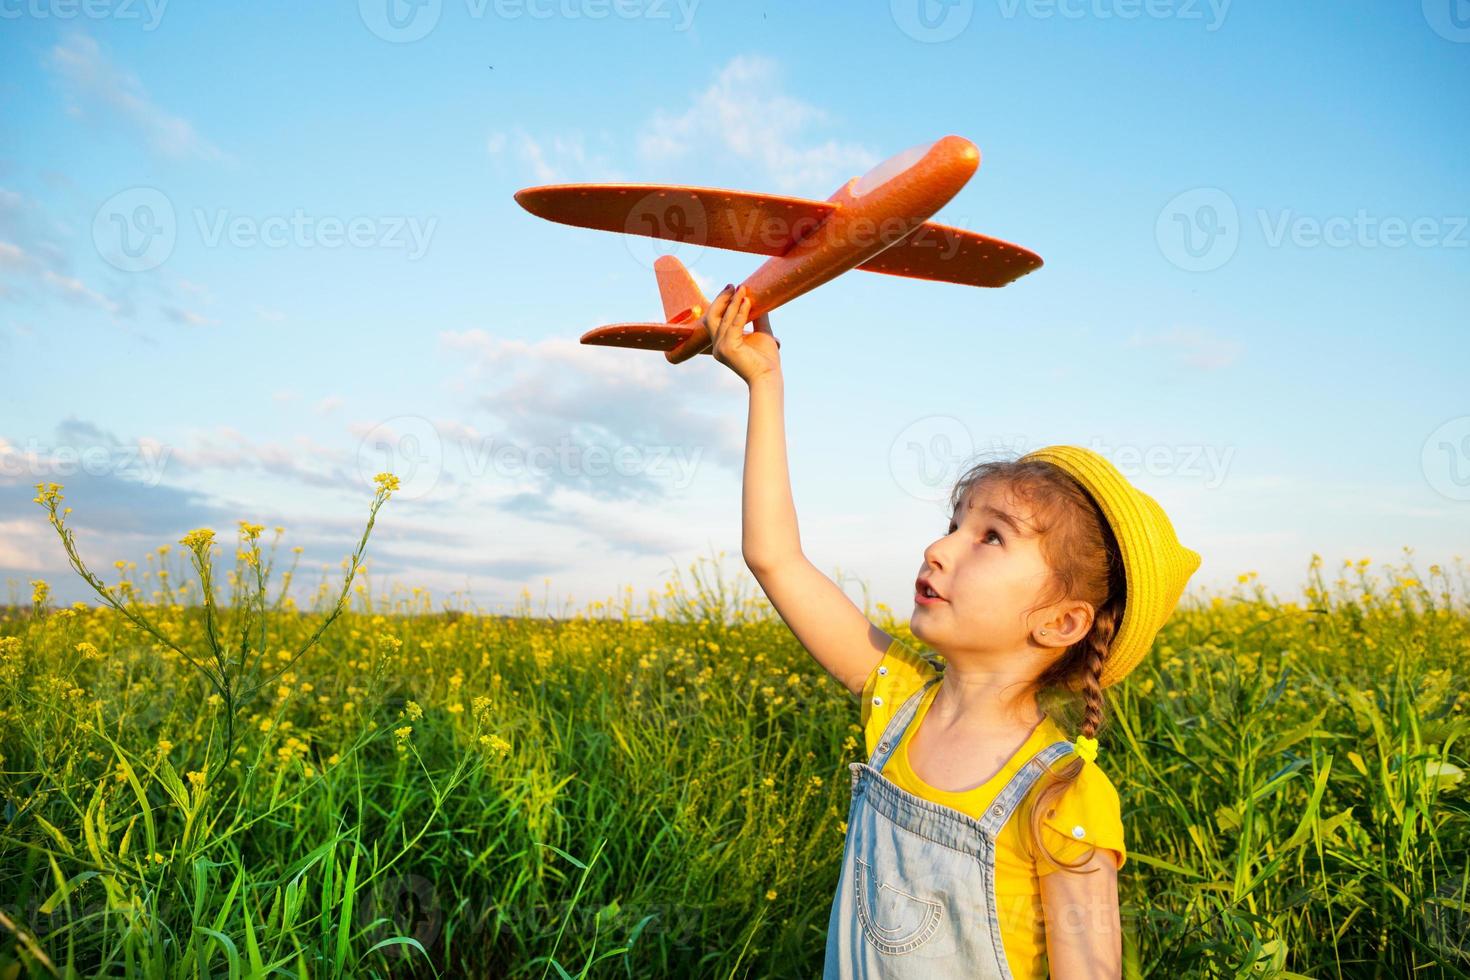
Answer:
[(1090, 651), (1096, 645)]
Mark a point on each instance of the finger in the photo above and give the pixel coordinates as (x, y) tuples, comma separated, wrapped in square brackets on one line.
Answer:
[(763, 323), (742, 314), (717, 306), (732, 313)]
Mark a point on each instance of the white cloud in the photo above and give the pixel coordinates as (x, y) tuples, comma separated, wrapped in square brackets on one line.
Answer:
[(556, 158), (744, 114), (76, 291), (555, 407), (188, 317), (101, 91)]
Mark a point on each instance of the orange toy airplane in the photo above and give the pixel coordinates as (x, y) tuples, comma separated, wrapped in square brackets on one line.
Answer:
[(877, 222)]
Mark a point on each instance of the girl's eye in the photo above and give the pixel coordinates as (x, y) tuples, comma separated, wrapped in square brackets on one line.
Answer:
[(988, 534)]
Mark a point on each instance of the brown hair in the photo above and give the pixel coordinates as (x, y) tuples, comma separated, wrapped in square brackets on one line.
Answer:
[(1086, 566)]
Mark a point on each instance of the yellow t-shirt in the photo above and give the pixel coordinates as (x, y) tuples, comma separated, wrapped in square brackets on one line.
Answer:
[(1090, 803)]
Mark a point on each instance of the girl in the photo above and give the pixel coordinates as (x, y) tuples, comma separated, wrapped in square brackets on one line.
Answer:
[(982, 842)]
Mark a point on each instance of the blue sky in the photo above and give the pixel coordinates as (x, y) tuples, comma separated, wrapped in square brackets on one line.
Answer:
[(251, 255)]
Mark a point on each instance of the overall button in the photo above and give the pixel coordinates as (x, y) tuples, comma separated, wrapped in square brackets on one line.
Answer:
[(883, 670), (877, 700), (996, 809), (1077, 831)]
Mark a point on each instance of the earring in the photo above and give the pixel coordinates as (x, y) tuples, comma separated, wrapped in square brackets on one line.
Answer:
[(1043, 632)]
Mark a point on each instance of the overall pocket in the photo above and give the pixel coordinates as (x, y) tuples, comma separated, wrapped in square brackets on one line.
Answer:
[(895, 917)]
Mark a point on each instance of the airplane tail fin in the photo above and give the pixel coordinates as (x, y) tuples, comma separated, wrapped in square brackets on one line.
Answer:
[(683, 301), (684, 304)]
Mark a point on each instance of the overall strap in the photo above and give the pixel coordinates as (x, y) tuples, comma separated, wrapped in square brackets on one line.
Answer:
[(893, 732), (1015, 791)]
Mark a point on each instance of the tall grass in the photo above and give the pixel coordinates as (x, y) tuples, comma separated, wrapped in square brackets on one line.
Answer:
[(659, 789)]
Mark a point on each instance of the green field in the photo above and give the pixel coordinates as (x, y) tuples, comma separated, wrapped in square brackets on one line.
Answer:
[(657, 788)]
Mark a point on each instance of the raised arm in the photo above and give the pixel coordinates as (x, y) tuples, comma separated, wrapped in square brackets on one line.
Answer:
[(828, 623)]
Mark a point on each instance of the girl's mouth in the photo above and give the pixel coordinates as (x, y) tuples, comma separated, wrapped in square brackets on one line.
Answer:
[(924, 599)]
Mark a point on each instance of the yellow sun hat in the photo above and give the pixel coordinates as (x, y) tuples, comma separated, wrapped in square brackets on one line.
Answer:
[(1155, 565)]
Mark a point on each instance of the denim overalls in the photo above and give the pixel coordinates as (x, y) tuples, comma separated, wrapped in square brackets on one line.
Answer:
[(916, 897)]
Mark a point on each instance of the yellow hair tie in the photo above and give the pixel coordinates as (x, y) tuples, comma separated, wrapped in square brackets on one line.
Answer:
[(1086, 747)]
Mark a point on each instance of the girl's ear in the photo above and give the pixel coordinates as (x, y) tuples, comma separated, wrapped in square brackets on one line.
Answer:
[(1067, 625)]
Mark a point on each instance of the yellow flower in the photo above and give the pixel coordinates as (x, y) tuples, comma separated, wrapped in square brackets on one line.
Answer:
[(1086, 747), (250, 531), (496, 743), (40, 591), (771, 895), (197, 778), (197, 540), (386, 482), (413, 711), (403, 732)]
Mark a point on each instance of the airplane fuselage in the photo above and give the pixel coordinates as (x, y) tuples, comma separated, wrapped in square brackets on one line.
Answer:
[(874, 212)]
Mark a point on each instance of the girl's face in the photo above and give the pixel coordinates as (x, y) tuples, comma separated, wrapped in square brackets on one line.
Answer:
[(988, 570)]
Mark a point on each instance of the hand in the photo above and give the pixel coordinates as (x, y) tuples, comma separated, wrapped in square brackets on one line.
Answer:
[(749, 355)]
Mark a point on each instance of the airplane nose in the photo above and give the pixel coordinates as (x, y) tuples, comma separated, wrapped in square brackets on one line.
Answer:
[(961, 148)]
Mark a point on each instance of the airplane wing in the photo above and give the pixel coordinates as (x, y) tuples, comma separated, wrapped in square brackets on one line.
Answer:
[(644, 336), (769, 224), (765, 224), (944, 254)]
